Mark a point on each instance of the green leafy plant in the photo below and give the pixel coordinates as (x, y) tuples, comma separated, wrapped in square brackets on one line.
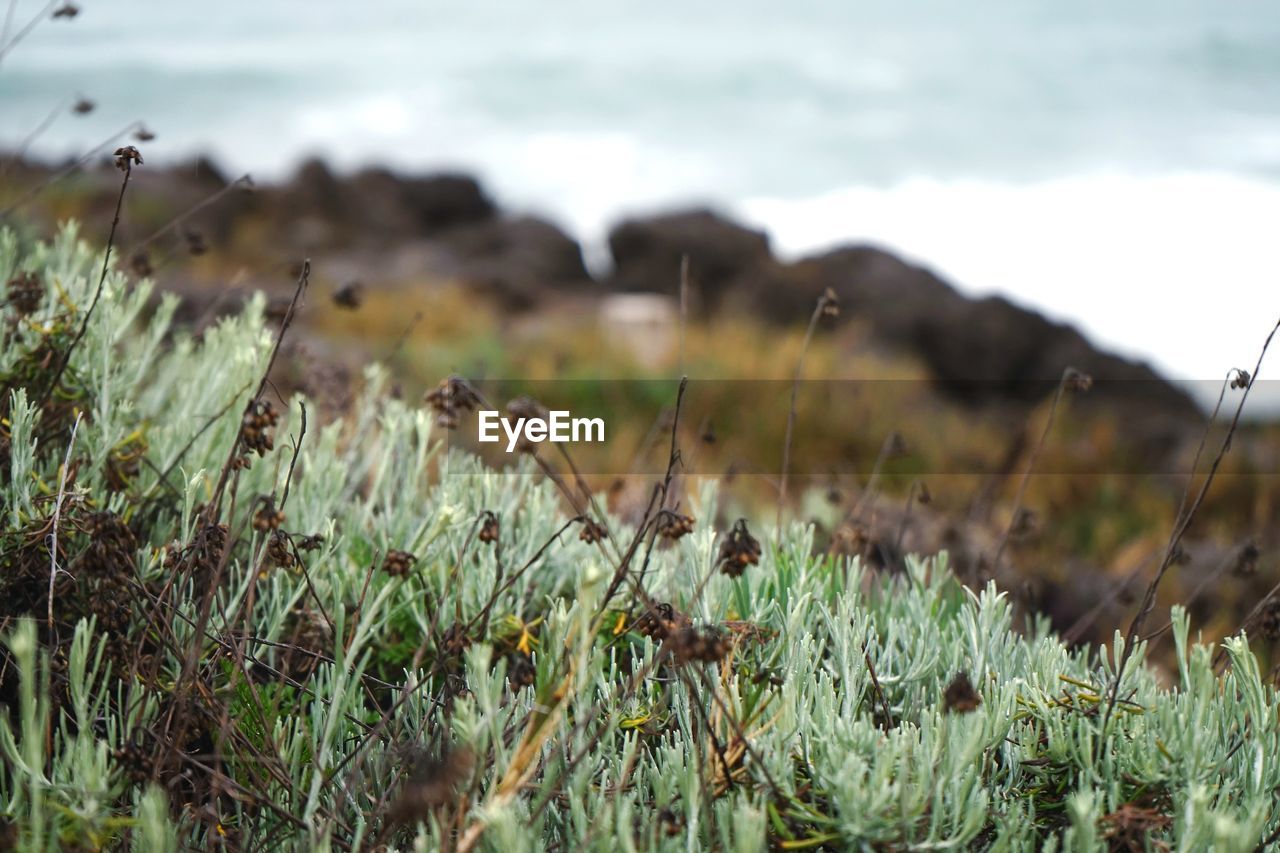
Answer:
[(223, 628)]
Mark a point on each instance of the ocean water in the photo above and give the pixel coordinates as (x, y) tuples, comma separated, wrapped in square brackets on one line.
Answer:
[(1112, 164)]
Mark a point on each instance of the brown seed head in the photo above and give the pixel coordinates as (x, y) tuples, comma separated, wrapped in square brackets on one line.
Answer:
[(127, 157), (489, 529), (1076, 382), (592, 532), (738, 550), (673, 525), (398, 563), (960, 697)]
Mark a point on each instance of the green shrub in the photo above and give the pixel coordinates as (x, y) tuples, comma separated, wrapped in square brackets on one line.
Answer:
[(494, 695)]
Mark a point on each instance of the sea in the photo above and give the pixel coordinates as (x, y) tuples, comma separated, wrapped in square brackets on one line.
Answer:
[(1112, 164)]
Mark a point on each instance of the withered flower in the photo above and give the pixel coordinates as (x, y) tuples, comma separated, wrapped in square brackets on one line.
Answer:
[(195, 242), (1076, 382), (673, 525), (455, 640), (1246, 560), (527, 407), (83, 106), (659, 621), (256, 426), (127, 157), (349, 296), (398, 563), (829, 303), (142, 134), (738, 550), (141, 264), (66, 10), (1241, 379), (311, 542), (592, 532), (489, 529), (24, 293), (278, 550), (453, 395), (701, 644), (1025, 523), (267, 517), (960, 697)]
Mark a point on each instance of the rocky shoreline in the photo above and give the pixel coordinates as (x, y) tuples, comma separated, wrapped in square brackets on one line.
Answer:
[(377, 225)]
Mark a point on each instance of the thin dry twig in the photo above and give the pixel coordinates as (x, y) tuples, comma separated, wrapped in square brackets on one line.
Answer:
[(97, 294), (1179, 530), (1031, 466), (826, 304)]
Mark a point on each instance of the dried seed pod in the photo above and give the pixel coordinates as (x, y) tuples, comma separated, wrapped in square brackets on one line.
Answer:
[(453, 395), (1240, 379), (696, 644), (398, 563), (24, 293), (255, 427), (267, 517), (278, 550), (658, 621), (349, 296), (142, 134), (1076, 382), (455, 640), (489, 529), (673, 525), (1246, 560), (140, 262), (592, 532), (829, 303), (311, 542), (83, 106), (66, 10), (527, 407), (127, 157), (196, 245), (738, 550), (960, 697)]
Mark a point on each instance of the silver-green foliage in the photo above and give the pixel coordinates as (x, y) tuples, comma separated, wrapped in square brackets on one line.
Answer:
[(610, 748)]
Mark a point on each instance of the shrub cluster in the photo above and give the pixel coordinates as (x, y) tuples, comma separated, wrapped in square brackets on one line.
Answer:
[(222, 629)]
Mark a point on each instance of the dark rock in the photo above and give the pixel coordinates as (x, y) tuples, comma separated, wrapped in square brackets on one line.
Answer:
[(516, 259), (445, 200), (647, 253), (978, 350), (315, 191)]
